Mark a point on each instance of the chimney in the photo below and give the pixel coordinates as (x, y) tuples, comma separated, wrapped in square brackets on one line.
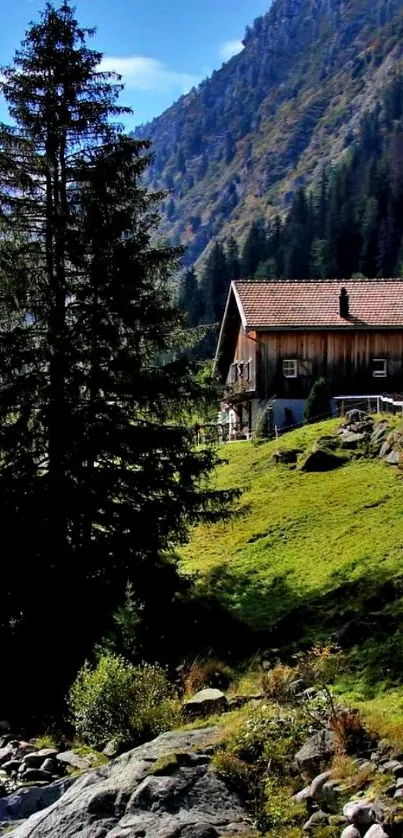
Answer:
[(343, 304)]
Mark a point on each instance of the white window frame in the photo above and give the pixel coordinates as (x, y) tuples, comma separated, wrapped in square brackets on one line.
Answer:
[(293, 368), (380, 373)]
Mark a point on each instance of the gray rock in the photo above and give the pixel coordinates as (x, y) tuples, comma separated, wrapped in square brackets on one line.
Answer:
[(379, 432), (351, 440), (331, 793), (133, 796), (392, 766), (205, 703), (318, 783), (316, 752), (113, 748), (350, 832), (37, 775), (5, 753), (47, 753), (25, 801), (393, 459), (74, 761), (385, 449), (34, 760), (51, 765), (317, 819), (303, 795), (399, 783), (318, 460), (376, 831), (11, 766), (362, 812), (398, 794)]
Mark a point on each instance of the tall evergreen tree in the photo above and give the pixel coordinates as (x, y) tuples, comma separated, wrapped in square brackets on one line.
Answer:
[(98, 473)]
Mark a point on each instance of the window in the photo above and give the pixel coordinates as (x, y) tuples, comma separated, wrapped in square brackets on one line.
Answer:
[(247, 371), (379, 368), (234, 373), (290, 369)]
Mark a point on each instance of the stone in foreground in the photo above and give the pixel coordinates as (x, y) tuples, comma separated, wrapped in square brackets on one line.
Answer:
[(316, 753), (133, 796), (204, 703)]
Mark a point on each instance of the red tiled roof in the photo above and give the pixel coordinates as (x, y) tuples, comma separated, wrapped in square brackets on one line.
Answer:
[(315, 304)]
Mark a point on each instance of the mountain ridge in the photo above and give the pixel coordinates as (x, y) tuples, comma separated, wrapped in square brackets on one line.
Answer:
[(272, 118)]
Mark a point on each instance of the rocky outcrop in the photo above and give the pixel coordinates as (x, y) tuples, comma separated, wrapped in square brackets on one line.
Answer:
[(163, 789), (205, 703)]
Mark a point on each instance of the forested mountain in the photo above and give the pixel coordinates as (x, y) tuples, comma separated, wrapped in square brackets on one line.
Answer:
[(270, 120)]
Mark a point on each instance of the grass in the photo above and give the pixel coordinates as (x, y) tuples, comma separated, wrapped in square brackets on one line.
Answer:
[(294, 534), (307, 555)]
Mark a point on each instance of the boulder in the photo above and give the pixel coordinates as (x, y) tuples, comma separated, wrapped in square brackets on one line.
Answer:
[(6, 753), (125, 797), (47, 753), (318, 782), (11, 766), (71, 759), (316, 752), (317, 819), (351, 440), (392, 766), (331, 793), (34, 760), (393, 459), (25, 801), (385, 449), (350, 832), (205, 703), (362, 812), (376, 831), (318, 460), (303, 795), (37, 775), (379, 433)]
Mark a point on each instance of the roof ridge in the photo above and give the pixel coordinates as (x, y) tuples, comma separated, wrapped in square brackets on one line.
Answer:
[(279, 281)]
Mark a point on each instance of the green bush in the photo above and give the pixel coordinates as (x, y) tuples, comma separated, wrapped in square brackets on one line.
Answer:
[(318, 403), (117, 700)]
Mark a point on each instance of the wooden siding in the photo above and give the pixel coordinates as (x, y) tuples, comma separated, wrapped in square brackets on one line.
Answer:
[(344, 359), (245, 350)]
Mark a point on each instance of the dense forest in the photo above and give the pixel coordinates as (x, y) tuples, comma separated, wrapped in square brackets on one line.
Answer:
[(349, 223)]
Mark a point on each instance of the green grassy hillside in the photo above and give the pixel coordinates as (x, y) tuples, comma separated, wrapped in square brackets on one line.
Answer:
[(310, 557)]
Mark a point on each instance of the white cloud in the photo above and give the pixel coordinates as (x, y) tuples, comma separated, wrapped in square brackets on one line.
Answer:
[(230, 48), (141, 73)]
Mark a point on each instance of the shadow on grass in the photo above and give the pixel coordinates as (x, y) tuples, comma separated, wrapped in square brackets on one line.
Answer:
[(364, 616)]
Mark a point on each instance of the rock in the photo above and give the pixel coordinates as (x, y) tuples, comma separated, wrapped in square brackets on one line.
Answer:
[(318, 783), (399, 783), (362, 812), (287, 456), (34, 760), (350, 832), (317, 819), (351, 440), (205, 703), (376, 831), (379, 432), (51, 765), (355, 415), (303, 795), (393, 459), (113, 748), (331, 793), (393, 766), (398, 795), (25, 801), (74, 761), (47, 753), (316, 752), (319, 460), (37, 775), (11, 766), (5, 753), (385, 449), (125, 798)]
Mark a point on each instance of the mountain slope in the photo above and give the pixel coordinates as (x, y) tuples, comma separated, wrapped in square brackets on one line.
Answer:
[(236, 148)]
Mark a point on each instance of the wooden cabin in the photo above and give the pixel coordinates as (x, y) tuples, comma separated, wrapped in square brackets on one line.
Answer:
[(278, 336)]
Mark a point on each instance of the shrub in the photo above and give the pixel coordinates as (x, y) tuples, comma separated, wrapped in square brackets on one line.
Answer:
[(208, 673), (119, 701), (277, 682), (318, 402)]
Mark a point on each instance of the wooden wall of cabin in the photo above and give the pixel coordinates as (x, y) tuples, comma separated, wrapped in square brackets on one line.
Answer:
[(344, 359), (245, 350)]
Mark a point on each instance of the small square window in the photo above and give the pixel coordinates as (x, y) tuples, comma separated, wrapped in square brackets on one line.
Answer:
[(290, 369), (379, 368)]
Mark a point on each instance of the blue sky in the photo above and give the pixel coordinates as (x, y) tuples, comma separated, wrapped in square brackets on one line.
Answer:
[(161, 47)]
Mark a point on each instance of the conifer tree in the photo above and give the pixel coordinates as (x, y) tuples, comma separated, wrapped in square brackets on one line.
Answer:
[(98, 473)]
